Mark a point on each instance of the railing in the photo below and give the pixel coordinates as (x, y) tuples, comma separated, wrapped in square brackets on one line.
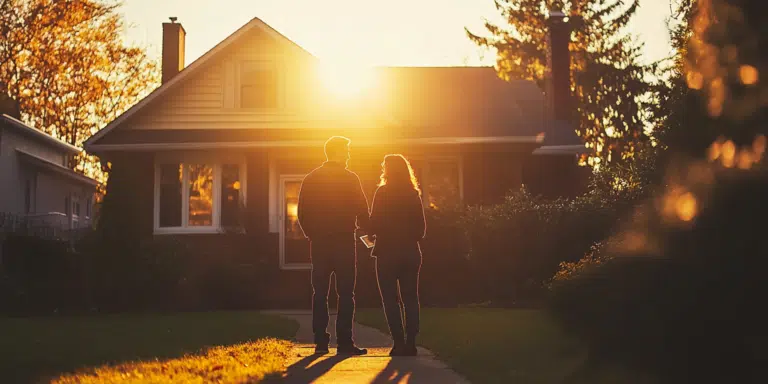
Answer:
[(52, 225)]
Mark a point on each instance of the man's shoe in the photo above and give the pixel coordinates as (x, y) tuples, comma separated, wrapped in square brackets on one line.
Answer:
[(321, 349), (410, 348), (351, 350)]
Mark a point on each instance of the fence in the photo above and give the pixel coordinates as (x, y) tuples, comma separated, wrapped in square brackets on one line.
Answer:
[(50, 226)]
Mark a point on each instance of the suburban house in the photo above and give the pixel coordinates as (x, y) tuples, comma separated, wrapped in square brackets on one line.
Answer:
[(216, 155), (38, 191)]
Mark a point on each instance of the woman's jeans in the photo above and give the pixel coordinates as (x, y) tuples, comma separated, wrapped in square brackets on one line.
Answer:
[(391, 269)]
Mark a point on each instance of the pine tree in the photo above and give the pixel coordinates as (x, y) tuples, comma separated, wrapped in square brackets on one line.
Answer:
[(715, 91), (610, 86)]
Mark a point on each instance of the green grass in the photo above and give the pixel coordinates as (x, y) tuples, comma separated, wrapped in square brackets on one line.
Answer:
[(503, 346), (35, 348)]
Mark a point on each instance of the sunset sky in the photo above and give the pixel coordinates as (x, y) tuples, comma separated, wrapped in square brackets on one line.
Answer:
[(365, 32)]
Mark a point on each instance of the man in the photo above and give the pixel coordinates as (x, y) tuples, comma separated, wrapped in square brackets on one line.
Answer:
[(332, 205)]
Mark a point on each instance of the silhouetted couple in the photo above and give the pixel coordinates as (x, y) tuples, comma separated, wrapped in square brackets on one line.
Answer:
[(332, 208)]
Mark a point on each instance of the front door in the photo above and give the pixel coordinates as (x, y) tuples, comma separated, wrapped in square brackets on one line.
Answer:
[(294, 247)]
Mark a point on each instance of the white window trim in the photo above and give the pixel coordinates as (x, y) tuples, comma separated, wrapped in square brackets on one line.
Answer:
[(281, 220), (216, 208), (425, 160), (261, 63)]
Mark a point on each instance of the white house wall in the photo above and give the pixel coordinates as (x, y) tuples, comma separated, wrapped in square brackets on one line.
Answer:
[(13, 173)]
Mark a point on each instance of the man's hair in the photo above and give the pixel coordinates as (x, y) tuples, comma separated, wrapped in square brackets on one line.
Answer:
[(336, 145)]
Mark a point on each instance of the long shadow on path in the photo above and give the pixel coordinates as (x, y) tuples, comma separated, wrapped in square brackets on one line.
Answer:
[(303, 371)]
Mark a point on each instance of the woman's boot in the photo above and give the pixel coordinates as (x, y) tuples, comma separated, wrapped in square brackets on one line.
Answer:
[(399, 348)]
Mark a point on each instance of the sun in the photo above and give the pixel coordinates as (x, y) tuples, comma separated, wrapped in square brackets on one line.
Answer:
[(345, 80)]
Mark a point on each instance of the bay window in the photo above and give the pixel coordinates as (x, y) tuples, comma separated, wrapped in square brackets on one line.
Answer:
[(198, 196)]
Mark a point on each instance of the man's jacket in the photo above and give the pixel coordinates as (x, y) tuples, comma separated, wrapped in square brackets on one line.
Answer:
[(332, 202)]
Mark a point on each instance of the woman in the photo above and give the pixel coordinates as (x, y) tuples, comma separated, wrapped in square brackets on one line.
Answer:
[(397, 222)]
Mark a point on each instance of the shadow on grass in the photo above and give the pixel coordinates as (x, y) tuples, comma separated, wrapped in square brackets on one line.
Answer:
[(32, 349)]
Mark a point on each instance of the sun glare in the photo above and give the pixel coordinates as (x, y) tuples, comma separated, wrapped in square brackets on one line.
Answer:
[(347, 80)]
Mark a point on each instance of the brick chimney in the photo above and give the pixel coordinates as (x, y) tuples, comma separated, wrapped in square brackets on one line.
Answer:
[(173, 49), (560, 105)]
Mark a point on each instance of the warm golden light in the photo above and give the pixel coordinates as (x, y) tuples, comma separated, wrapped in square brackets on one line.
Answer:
[(758, 146), (695, 80), (714, 151), (292, 209), (729, 154), (346, 80), (236, 185), (745, 159), (686, 207), (748, 74)]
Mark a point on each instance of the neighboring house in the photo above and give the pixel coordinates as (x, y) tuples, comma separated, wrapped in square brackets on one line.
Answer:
[(38, 191), (222, 145)]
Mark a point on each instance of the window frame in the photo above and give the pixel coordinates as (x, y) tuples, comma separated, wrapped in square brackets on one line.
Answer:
[(258, 64), (216, 164)]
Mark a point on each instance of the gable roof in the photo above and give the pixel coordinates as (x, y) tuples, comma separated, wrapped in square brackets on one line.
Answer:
[(37, 134), (432, 103), (193, 68)]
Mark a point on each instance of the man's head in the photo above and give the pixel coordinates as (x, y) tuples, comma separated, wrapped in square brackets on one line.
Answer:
[(337, 149)]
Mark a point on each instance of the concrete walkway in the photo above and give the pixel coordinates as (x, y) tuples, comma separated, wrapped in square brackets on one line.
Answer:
[(375, 367)]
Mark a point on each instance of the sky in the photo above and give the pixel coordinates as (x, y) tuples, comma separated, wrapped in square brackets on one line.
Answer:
[(361, 32)]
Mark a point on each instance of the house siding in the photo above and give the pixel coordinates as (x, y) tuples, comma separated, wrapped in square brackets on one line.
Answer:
[(489, 176), (49, 189), (209, 99), (555, 176)]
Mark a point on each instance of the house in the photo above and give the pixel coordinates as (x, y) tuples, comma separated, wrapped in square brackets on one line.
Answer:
[(216, 155), (37, 188)]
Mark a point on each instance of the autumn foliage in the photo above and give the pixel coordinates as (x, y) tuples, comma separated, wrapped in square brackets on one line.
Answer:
[(66, 64)]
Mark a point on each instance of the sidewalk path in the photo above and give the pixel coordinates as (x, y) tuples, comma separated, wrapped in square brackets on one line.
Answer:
[(376, 367)]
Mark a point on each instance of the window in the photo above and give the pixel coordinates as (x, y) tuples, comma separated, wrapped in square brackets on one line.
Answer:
[(259, 86), (200, 184), (440, 180), (198, 196), (88, 207), (67, 206)]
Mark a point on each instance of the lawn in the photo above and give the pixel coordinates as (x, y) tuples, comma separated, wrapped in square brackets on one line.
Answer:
[(504, 346), (140, 348)]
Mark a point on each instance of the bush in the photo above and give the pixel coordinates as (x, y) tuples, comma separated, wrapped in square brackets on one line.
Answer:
[(145, 276), (40, 276), (679, 293), (517, 245), (156, 274)]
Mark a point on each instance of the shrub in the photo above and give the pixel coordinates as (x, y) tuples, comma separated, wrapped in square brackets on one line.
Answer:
[(40, 276), (145, 276), (517, 245), (679, 293)]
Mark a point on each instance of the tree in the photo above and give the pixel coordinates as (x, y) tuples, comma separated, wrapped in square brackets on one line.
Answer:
[(714, 92), (66, 64), (610, 85)]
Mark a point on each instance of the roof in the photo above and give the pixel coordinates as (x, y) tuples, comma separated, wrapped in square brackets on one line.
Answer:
[(37, 134), (416, 102), (56, 168), (190, 70), (450, 101)]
